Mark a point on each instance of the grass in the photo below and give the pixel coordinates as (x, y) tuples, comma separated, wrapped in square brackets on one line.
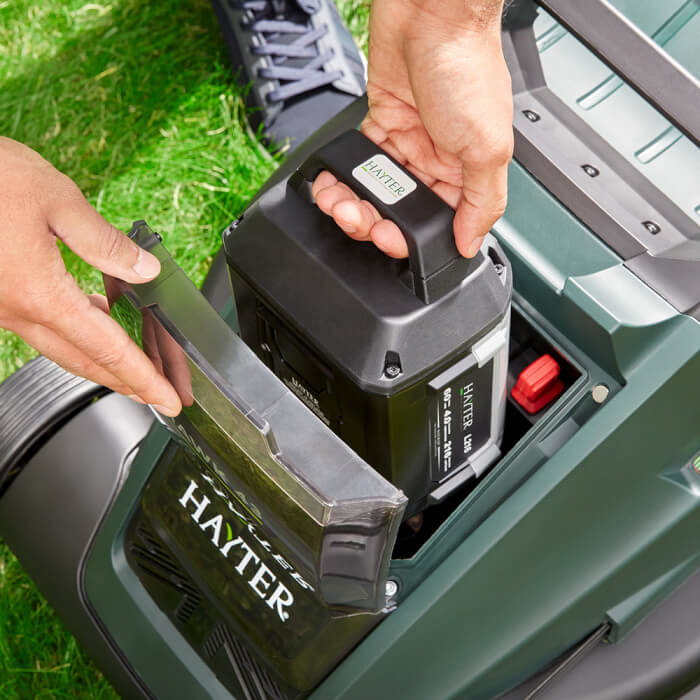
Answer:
[(135, 101)]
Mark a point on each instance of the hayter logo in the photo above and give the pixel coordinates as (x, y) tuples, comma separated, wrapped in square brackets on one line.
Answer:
[(379, 175), (260, 577)]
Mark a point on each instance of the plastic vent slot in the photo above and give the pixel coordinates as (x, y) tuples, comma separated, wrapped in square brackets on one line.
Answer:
[(152, 558), (252, 677)]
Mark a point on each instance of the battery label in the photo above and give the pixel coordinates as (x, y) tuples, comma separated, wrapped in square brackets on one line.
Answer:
[(306, 397), (461, 420)]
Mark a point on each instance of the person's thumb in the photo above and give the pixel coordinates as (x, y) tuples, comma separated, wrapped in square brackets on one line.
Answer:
[(95, 240), (482, 204)]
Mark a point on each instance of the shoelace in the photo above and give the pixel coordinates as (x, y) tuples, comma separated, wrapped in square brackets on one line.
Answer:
[(297, 79)]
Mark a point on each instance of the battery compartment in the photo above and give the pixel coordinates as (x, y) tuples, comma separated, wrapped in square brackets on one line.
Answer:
[(527, 344), (309, 377)]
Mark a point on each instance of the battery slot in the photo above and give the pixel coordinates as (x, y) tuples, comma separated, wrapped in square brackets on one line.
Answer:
[(526, 345)]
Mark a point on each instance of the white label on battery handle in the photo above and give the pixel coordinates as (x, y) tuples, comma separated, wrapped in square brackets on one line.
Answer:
[(379, 175)]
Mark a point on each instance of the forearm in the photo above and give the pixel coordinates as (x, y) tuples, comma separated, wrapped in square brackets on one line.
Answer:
[(471, 15)]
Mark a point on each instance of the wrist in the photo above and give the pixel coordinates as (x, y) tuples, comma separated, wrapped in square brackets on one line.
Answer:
[(432, 31), (473, 16)]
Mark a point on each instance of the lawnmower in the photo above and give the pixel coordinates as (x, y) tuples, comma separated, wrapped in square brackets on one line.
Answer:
[(429, 478)]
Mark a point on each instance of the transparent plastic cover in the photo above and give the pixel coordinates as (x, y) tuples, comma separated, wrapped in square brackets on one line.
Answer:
[(336, 515)]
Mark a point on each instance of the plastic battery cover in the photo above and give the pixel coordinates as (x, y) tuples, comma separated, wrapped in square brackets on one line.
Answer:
[(315, 501)]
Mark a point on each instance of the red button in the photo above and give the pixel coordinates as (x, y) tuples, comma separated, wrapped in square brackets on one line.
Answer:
[(538, 384)]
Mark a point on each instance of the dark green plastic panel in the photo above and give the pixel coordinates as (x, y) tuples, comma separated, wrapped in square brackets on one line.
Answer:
[(156, 651), (596, 523)]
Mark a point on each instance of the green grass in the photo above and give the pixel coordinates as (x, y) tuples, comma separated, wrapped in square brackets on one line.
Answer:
[(135, 101)]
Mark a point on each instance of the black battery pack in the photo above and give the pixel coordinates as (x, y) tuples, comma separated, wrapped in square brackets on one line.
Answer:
[(405, 360)]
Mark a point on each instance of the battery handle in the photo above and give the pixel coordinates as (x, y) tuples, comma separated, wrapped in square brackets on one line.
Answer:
[(425, 220)]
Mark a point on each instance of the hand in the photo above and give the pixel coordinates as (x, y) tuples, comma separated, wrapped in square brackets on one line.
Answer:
[(43, 304), (440, 103), (167, 356)]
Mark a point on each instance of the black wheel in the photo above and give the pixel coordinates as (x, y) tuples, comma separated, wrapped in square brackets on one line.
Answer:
[(35, 402)]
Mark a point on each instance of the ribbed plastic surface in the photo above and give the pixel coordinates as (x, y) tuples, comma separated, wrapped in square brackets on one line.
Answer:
[(34, 402)]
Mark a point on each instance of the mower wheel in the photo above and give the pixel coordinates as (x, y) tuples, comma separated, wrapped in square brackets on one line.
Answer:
[(35, 402)]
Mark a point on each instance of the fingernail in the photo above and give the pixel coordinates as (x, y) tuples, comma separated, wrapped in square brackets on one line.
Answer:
[(166, 411), (147, 265), (348, 225), (474, 247)]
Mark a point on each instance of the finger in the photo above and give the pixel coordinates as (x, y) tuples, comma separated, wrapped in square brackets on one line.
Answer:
[(107, 345), (376, 133), (393, 151), (417, 148), (484, 201), (67, 356), (387, 236), (359, 218), (174, 364), (95, 240), (451, 194), (355, 218), (330, 196), (322, 181), (100, 302), (372, 130), (149, 341), (426, 179)]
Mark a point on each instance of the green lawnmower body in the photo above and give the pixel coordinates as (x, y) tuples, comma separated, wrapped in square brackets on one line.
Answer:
[(590, 518)]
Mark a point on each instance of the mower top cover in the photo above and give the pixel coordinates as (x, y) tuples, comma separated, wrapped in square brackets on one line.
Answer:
[(306, 496)]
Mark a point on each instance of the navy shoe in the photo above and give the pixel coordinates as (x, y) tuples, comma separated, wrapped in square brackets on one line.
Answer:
[(298, 58)]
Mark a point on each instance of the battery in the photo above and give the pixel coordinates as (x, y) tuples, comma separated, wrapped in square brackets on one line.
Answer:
[(406, 360)]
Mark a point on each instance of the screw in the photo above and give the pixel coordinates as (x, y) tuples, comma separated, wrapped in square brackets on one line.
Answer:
[(415, 522), (392, 371), (600, 393), (532, 116), (158, 236), (391, 589), (499, 268), (652, 227), (590, 170)]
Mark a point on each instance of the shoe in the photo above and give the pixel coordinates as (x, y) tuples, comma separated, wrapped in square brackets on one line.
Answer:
[(299, 60)]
